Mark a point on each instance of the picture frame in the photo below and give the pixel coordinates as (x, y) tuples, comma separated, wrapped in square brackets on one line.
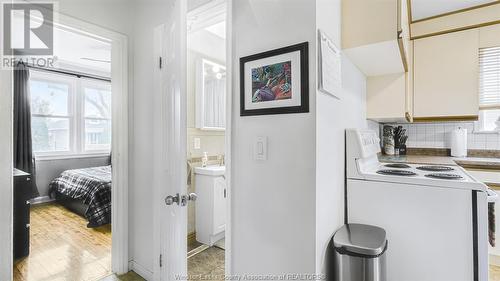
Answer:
[(275, 82)]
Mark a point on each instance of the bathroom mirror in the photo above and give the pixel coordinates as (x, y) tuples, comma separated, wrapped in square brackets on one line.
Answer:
[(210, 95)]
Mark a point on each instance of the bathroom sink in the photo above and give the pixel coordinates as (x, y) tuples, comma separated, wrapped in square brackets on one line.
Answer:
[(210, 170)]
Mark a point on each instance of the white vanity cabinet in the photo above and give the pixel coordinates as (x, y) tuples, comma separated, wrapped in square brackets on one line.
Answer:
[(211, 204)]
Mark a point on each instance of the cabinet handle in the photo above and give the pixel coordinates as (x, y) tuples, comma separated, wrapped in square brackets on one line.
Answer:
[(224, 193)]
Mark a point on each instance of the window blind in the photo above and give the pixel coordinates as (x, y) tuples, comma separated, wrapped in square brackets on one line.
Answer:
[(489, 77)]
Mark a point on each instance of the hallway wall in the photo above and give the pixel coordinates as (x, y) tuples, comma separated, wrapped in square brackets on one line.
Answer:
[(273, 201)]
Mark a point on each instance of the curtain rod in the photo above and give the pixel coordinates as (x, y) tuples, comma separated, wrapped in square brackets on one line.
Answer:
[(65, 72)]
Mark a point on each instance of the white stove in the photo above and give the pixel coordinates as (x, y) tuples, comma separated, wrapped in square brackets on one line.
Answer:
[(429, 175), (435, 216)]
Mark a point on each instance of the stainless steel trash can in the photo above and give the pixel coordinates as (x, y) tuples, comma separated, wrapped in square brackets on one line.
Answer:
[(359, 253)]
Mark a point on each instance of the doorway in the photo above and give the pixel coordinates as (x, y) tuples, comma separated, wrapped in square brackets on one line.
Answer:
[(206, 130), (81, 112), (192, 127)]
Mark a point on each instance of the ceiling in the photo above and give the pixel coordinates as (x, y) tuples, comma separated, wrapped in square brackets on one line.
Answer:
[(78, 51), (421, 9), (218, 29), (82, 53)]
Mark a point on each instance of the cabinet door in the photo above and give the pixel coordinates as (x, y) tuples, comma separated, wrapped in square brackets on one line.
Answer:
[(386, 97), (446, 76), (219, 205)]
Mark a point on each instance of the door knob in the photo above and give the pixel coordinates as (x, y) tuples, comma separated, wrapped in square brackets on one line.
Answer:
[(192, 196), (186, 198), (169, 200), (180, 199)]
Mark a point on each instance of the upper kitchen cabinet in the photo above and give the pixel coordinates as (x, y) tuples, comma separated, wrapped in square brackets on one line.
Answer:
[(446, 76), (389, 98), (375, 35), (489, 36)]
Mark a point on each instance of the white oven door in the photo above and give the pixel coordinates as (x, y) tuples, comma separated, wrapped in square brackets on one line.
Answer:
[(433, 233)]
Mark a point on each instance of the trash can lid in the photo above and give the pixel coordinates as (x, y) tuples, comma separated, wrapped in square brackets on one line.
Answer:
[(360, 239)]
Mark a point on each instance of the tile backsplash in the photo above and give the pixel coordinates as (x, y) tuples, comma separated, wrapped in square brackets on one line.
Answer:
[(438, 135)]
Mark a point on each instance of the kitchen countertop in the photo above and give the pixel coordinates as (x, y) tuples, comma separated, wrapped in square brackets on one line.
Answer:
[(466, 162)]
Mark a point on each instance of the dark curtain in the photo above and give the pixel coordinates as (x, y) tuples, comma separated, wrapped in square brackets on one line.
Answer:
[(23, 150)]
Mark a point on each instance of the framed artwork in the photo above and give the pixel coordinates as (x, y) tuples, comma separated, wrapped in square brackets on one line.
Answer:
[(275, 82)]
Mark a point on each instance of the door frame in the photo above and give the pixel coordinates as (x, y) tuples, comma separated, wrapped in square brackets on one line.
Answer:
[(228, 136), (159, 189), (119, 157)]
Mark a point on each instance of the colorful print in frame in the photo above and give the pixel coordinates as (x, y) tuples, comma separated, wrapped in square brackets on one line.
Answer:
[(275, 82)]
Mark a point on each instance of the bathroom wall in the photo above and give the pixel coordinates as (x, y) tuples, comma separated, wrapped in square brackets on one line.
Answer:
[(438, 135), (210, 141)]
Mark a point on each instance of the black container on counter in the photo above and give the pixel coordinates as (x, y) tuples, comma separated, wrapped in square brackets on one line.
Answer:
[(402, 150)]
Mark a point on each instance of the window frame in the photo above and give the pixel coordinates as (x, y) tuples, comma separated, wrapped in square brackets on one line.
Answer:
[(44, 77), (76, 115), (479, 126), (94, 84)]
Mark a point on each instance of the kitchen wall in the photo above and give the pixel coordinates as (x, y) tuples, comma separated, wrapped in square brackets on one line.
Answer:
[(438, 135), (47, 170), (333, 116)]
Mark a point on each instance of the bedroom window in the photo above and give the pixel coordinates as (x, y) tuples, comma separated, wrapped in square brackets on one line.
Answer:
[(51, 114), (97, 126), (70, 115)]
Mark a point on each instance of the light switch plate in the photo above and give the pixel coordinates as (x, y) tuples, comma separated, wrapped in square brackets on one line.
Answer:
[(260, 148), (197, 143)]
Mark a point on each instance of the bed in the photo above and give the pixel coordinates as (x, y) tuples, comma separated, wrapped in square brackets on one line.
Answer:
[(86, 192)]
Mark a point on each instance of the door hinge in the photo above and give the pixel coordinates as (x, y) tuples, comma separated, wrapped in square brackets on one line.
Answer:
[(161, 260), (160, 63)]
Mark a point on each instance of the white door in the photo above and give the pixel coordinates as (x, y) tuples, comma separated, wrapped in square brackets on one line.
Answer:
[(170, 145)]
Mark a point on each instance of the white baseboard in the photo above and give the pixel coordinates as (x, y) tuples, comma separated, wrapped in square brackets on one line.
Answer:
[(41, 199), (141, 270)]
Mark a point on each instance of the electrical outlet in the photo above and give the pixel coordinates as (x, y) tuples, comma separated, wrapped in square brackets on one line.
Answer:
[(197, 143)]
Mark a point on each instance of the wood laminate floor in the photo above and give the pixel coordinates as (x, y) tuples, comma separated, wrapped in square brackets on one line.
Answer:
[(63, 248), (494, 273)]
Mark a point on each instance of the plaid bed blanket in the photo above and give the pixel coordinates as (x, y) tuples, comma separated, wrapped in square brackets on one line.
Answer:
[(92, 186)]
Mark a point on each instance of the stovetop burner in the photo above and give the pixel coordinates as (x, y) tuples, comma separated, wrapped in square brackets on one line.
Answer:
[(435, 168), (397, 165), (396, 172), (444, 176)]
